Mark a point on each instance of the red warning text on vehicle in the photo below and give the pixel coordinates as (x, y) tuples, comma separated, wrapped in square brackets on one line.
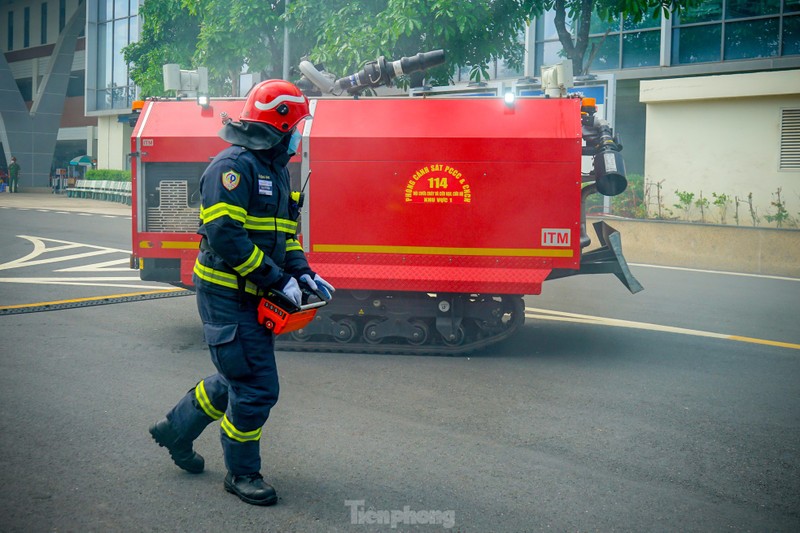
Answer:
[(555, 237)]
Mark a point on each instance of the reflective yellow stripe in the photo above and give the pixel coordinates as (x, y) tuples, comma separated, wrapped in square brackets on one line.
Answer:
[(205, 402), (242, 436), (180, 245), (215, 276), (432, 250), (287, 226), (225, 279), (252, 262), (270, 224), (250, 222), (222, 209), (170, 245), (293, 245)]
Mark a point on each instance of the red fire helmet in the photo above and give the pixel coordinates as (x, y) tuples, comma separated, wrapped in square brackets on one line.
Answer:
[(277, 103)]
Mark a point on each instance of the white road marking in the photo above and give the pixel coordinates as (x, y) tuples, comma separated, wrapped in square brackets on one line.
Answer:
[(92, 282), (100, 267), (43, 246), (562, 316), (40, 247), (723, 272)]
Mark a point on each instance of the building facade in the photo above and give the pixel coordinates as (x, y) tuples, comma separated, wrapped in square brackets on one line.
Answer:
[(717, 38), (682, 83), (110, 26), (42, 86)]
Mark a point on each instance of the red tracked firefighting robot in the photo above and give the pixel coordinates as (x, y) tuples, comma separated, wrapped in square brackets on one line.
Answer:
[(431, 216)]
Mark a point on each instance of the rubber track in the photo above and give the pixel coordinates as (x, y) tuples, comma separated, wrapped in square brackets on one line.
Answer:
[(288, 345), (92, 302)]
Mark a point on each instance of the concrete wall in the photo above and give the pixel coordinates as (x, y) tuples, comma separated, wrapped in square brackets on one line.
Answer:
[(712, 247), (721, 134), (17, 7), (630, 125), (113, 143)]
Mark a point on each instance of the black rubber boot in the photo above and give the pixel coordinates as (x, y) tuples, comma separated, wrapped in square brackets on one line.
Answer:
[(180, 450), (251, 488)]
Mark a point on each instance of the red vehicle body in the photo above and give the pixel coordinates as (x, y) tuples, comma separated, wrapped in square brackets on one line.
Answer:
[(457, 205)]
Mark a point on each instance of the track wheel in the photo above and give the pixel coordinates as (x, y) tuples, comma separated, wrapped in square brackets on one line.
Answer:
[(419, 334), (300, 335), (345, 330), (458, 337), (371, 332)]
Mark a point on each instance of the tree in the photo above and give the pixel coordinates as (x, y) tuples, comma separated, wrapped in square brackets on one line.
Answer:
[(169, 34), (223, 36), (577, 15), (227, 35), (239, 33), (345, 34)]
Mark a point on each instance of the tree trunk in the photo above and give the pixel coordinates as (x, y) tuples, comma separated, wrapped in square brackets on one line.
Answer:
[(575, 50)]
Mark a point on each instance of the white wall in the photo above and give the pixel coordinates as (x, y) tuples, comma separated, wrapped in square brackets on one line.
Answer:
[(721, 134), (113, 143)]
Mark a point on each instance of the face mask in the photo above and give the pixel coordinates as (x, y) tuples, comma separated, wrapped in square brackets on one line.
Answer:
[(294, 142)]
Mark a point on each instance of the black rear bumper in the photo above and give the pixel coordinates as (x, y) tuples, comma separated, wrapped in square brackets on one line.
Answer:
[(607, 259)]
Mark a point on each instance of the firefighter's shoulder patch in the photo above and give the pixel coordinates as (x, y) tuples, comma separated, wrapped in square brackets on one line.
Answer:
[(231, 179)]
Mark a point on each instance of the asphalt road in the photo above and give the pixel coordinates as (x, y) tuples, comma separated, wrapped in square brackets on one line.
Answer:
[(677, 409)]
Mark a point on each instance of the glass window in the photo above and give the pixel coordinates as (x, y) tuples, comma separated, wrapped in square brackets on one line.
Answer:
[(26, 28), (705, 12), (546, 26), (120, 42), (608, 56), (134, 28), (641, 49), (10, 31), (105, 10), (103, 99), (120, 8), (505, 71), (103, 56), (76, 86), (134, 10), (791, 6), (43, 26), (25, 86), (647, 22), (752, 38), (598, 25), (119, 98), (548, 54), (62, 14), (748, 8), (791, 35), (696, 44)]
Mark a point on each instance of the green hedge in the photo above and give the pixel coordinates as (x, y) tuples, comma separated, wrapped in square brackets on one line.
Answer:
[(111, 175), (629, 204)]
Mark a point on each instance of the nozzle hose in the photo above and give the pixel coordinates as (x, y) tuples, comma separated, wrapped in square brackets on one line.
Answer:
[(382, 72)]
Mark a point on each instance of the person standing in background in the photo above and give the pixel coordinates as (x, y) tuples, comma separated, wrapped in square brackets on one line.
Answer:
[(13, 174)]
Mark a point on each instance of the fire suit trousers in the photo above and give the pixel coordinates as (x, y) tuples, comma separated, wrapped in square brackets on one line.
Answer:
[(245, 387)]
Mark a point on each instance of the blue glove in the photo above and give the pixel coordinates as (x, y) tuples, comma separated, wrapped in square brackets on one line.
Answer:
[(324, 289), (293, 292)]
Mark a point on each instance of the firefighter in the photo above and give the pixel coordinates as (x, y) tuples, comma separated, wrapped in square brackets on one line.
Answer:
[(249, 244)]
